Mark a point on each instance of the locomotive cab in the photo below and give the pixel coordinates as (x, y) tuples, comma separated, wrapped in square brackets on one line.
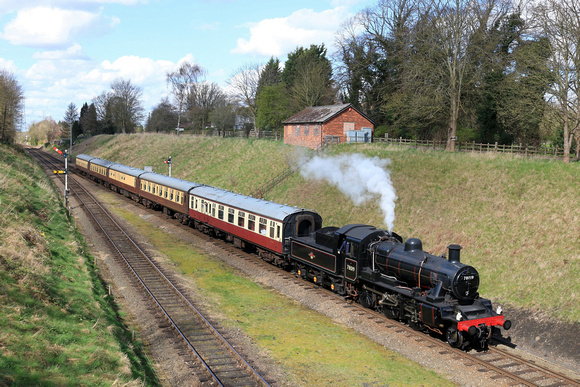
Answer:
[(351, 244)]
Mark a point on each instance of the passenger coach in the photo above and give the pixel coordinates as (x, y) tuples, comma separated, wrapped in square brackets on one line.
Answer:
[(167, 193), (248, 221)]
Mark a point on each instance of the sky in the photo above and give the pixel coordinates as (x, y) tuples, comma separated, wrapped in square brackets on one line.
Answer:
[(64, 51)]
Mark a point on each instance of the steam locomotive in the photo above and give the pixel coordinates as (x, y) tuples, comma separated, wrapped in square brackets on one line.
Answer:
[(361, 262), (376, 268)]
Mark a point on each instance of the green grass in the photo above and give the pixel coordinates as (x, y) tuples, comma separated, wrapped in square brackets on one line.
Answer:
[(517, 219), (310, 347), (57, 326)]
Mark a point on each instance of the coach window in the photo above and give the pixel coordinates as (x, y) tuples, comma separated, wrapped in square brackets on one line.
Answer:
[(221, 212), (263, 225), (251, 222), (241, 218), (171, 195), (213, 210), (278, 231), (231, 212), (272, 229)]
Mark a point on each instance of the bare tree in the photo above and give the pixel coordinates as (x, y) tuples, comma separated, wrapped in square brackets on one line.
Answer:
[(245, 83), (454, 24), (127, 108), (182, 81), (560, 23), (204, 98), (11, 106)]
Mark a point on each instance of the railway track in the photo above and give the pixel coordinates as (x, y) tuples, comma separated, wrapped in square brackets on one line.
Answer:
[(220, 362)]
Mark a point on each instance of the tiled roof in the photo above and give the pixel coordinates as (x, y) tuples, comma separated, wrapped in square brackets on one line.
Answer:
[(318, 114)]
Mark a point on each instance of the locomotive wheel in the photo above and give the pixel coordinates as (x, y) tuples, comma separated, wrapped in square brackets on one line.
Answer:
[(454, 337), (366, 299), (391, 312)]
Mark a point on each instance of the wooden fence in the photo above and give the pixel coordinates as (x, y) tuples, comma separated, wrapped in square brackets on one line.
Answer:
[(547, 151)]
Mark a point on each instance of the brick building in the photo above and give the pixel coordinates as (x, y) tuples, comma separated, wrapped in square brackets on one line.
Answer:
[(319, 125)]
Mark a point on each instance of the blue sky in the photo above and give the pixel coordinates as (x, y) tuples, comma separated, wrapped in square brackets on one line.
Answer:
[(64, 51)]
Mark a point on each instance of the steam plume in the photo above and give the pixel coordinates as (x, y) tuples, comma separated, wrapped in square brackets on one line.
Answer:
[(359, 177)]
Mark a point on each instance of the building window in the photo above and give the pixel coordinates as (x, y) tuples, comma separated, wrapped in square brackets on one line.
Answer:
[(316, 130), (307, 130), (297, 130)]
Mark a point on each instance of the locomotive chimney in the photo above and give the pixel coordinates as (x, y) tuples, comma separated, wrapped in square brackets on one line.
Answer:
[(454, 253)]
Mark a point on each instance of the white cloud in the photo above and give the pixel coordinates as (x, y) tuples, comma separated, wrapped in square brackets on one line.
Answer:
[(275, 37), (6, 64), (8, 6), (80, 81), (52, 27), (73, 52)]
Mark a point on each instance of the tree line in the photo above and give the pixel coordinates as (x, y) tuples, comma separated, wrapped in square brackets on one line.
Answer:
[(468, 70), (453, 70)]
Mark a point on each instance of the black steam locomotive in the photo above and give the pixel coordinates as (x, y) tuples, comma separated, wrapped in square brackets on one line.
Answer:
[(376, 268)]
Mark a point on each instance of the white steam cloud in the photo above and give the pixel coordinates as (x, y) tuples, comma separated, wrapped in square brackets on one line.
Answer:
[(359, 177)]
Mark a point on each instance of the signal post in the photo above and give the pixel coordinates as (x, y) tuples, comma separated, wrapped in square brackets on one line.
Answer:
[(64, 154)]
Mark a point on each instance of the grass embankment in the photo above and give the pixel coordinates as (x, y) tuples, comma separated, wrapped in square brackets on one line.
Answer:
[(517, 219), (311, 348), (57, 326)]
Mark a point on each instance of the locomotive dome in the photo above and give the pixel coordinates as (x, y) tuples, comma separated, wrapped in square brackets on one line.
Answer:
[(413, 244)]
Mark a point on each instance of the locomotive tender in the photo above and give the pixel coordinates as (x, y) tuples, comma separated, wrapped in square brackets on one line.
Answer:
[(369, 265)]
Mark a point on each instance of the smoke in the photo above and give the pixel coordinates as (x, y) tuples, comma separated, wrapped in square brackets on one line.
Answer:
[(359, 177)]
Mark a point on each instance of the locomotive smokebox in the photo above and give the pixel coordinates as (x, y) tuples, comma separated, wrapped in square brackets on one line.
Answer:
[(454, 253)]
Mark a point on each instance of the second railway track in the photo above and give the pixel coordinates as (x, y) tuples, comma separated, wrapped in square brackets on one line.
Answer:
[(221, 363)]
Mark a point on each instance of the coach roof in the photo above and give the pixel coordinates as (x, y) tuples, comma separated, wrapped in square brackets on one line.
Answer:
[(127, 170), (85, 157), (171, 182), (101, 162), (246, 203)]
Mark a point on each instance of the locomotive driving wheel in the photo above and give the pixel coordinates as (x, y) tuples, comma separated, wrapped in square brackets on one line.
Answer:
[(366, 299), (391, 312), (454, 337)]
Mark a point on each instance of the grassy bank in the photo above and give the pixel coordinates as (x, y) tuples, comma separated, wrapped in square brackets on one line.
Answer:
[(517, 219), (57, 325)]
